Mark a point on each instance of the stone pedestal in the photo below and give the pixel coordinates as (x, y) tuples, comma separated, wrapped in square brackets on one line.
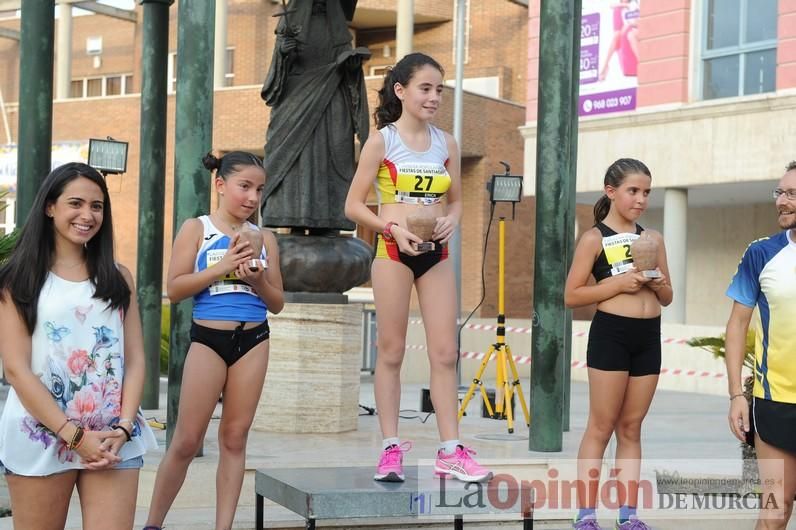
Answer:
[(312, 385)]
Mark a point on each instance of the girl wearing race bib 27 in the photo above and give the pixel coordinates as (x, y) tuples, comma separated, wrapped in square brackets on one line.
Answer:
[(415, 167), (624, 348)]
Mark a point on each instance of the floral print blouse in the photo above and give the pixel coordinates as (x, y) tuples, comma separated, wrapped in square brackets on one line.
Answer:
[(77, 350)]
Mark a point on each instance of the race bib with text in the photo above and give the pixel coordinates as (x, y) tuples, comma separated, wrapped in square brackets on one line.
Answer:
[(229, 283), (617, 252), (421, 183)]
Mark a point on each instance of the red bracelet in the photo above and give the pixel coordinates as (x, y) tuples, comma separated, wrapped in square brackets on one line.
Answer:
[(387, 232), (61, 428)]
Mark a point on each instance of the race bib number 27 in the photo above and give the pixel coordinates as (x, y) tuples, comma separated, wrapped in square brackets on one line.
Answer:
[(421, 183)]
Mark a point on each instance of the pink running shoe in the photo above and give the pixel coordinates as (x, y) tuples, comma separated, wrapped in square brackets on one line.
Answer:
[(461, 465), (391, 463)]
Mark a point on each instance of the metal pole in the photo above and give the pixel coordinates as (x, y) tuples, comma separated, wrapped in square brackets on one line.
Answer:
[(570, 208), (36, 58), (151, 187), (455, 243), (193, 138), (556, 129)]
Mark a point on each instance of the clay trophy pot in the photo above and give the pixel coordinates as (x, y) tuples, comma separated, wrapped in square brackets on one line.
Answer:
[(645, 256), (255, 239), (422, 225)]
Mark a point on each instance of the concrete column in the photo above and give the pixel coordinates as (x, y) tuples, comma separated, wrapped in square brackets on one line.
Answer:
[(63, 77), (675, 233), (220, 49), (405, 28)]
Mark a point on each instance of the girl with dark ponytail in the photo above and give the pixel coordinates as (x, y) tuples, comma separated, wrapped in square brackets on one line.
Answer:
[(624, 349), (390, 107), (415, 167), (230, 267)]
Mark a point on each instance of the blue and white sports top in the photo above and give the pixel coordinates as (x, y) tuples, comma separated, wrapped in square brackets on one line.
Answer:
[(227, 298), (766, 277)]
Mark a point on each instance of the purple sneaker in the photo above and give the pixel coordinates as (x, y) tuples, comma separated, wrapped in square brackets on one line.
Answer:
[(634, 523), (587, 523), (390, 467)]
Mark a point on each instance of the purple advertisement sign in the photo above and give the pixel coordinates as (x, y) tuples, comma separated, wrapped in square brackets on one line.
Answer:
[(604, 102), (608, 56), (589, 48)]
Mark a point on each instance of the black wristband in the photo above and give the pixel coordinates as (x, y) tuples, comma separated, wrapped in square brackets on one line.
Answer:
[(126, 432)]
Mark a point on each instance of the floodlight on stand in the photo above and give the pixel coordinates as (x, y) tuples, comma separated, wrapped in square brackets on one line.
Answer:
[(505, 188), (107, 156), (502, 188)]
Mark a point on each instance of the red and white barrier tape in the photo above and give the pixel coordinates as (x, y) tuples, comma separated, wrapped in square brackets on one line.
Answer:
[(526, 359), (527, 331)]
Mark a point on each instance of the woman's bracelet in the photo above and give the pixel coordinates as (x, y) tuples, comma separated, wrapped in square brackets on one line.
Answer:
[(77, 439), (735, 396), (127, 420), (61, 428), (126, 432)]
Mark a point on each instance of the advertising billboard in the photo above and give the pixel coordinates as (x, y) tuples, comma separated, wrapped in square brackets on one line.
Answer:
[(608, 56)]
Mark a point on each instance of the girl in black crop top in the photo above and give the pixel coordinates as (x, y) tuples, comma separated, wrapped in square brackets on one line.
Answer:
[(601, 268), (623, 353)]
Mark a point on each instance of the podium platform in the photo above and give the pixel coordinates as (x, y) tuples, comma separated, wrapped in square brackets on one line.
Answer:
[(337, 493)]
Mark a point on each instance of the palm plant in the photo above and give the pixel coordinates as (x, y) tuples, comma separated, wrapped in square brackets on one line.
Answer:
[(715, 345), (7, 241)]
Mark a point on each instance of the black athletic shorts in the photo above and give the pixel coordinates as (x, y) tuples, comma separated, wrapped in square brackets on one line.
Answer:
[(230, 344), (624, 344), (775, 423)]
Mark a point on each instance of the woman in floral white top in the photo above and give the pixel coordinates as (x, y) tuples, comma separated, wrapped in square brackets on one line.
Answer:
[(73, 352)]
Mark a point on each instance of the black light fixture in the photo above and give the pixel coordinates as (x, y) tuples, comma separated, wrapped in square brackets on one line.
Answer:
[(107, 156), (505, 188)]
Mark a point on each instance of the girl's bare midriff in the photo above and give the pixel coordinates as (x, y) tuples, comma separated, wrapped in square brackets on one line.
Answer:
[(225, 324), (643, 304), (398, 212)]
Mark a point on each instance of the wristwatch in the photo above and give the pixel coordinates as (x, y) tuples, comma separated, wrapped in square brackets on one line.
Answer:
[(387, 232)]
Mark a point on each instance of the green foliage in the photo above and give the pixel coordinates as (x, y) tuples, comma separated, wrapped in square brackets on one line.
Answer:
[(716, 346), (165, 319), (7, 241), (7, 244)]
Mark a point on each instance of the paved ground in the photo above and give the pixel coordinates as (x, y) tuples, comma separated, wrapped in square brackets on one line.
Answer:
[(684, 434)]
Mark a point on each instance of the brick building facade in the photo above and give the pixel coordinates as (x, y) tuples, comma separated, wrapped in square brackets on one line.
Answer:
[(106, 102)]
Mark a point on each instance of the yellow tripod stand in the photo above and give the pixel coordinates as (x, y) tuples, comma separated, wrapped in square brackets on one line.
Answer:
[(505, 366)]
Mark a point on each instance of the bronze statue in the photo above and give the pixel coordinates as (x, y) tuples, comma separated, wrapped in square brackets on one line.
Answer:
[(316, 91)]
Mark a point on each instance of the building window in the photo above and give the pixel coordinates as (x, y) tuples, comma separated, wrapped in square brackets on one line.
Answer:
[(739, 52), (380, 70), (95, 87), (229, 67)]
